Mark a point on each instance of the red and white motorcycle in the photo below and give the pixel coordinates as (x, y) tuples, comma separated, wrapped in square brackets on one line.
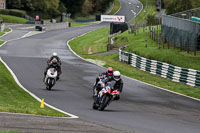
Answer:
[(105, 96)]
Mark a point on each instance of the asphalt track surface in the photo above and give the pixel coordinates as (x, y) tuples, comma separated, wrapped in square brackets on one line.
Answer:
[(141, 109)]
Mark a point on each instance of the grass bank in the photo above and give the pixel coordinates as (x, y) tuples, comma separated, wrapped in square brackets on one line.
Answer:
[(136, 45), (13, 19), (9, 131), (89, 44)]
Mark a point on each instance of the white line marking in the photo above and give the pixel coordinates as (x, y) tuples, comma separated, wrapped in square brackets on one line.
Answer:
[(7, 32), (129, 3), (133, 12)]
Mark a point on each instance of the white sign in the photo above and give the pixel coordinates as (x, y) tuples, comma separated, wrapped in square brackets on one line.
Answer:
[(112, 18)]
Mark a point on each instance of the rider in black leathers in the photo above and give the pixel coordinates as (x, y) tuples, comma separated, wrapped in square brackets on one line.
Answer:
[(118, 83), (107, 76)]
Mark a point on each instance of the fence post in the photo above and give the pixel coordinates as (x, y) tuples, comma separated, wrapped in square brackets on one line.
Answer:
[(181, 43), (168, 42), (195, 46), (150, 31), (174, 42), (164, 41), (143, 25), (188, 47)]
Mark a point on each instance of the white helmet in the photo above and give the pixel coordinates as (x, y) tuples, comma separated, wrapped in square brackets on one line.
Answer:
[(116, 75), (55, 54)]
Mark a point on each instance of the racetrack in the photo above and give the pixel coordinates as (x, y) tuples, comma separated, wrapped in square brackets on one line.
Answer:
[(141, 109)]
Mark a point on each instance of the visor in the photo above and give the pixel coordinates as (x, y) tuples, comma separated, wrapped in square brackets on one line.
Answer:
[(117, 77), (110, 72)]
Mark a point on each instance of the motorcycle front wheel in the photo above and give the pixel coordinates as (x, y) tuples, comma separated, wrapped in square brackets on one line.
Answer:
[(104, 102)]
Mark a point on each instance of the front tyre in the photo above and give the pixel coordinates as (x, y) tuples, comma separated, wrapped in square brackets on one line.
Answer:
[(104, 102)]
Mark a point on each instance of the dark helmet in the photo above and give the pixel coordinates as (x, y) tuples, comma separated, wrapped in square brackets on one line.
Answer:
[(110, 71)]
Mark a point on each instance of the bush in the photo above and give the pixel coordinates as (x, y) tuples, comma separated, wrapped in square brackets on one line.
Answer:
[(13, 12), (152, 20)]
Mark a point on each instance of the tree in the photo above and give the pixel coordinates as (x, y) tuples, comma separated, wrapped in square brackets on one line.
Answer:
[(87, 7)]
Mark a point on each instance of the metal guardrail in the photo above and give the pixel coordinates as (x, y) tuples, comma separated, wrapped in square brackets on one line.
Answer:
[(187, 76)]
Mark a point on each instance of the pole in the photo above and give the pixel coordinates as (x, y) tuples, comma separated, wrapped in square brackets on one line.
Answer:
[(159, 25), (146, 27)]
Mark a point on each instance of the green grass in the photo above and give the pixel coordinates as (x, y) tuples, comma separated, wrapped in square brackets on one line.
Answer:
[(151, 9), (92, 42), (9, 131), (1, 42), (15, 99), (137, 44), (116, 7), (13, 19), (2, 33)]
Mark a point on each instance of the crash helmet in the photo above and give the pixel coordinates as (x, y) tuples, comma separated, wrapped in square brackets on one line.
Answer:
[(110, 71), (55, 54), (54, 62), (116, 75)]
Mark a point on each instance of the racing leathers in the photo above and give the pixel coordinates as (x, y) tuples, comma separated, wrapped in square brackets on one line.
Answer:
[(54, 57)]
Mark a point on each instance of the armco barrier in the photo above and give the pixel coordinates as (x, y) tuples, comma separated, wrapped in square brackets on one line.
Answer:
[(177, 74), (56, 26)]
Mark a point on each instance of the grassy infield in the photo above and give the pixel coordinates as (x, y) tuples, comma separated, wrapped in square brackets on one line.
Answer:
[(136, 44)]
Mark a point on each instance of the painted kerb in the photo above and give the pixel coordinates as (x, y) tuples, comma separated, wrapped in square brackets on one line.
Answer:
[(187, 76)]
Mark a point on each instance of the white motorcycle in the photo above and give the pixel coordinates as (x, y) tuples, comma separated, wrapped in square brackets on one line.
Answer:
[(50, 79)]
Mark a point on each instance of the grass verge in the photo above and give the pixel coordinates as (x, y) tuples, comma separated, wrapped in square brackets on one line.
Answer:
[(89, 44), (9, 131), (13, 19), (15, 99)]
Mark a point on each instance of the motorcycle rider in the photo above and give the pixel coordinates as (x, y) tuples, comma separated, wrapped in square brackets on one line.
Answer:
[(118, 83), (53, 64), (107, 76), (54, 56)]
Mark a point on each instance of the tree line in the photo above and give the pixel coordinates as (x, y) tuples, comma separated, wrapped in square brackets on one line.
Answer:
[(53, 8), (174, 6)]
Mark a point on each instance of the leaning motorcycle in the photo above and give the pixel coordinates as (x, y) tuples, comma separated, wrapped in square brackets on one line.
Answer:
[(50, 78), (105, 96)]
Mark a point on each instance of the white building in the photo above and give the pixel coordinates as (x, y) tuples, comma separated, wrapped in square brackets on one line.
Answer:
[(2, 4)]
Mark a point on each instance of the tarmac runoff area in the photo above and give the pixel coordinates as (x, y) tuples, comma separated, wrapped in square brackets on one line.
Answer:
[(44, 124)]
